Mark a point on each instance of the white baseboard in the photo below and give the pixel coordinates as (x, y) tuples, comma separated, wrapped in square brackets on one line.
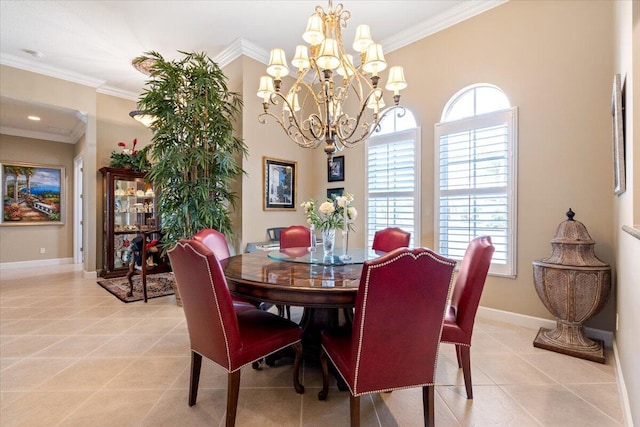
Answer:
[(622, 388), (538, 322), (36, 263)]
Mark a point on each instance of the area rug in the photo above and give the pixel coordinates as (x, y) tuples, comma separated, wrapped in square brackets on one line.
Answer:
[(158, 285)]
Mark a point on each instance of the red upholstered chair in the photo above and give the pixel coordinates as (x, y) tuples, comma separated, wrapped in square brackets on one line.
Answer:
[(461, 313), (389, 239), (296, 236), (393, 343), (217, 243), (231, 338)]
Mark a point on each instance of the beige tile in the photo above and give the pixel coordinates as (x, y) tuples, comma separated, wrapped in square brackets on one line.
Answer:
[(108, 326), (509, 368), (603, 396), (25, 346), (569, 370), (86, 374), (490, 406), (277, 407), (30, 373), (149, 373), (173, 409), (170, 345), (152, 326), (111, 408), (126, 345), (448, 373), (41, 408), (20, 327), (212, 376), (554, 405), (335, 410), (406, 408), (137, 371), (74, 346)]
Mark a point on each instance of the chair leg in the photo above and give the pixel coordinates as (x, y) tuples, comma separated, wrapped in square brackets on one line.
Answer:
[(129, 279), (428, 403), (233, 388), (354, 402), (465, 356), (144, 283), (296, 368), (458, 356), (196, 363), (322, 394)]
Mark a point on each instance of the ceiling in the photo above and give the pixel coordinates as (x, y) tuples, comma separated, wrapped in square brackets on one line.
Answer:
[(93, 42)]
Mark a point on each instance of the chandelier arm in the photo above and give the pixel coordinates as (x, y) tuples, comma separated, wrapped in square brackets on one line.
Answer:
[(292, 132), (374, 126)]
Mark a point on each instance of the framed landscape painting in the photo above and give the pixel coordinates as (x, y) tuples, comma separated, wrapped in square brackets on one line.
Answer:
[(279, 184), (32, 194)]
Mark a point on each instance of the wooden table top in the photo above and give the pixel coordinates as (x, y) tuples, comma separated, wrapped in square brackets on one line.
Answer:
[(256, 276)]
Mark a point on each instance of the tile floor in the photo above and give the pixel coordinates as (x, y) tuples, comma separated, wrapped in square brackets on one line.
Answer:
[(73, 355)]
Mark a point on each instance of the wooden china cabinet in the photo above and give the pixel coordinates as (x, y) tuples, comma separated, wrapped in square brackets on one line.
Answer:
[(129, 211)]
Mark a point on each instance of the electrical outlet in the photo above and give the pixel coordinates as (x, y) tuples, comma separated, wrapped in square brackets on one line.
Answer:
[(42, 250)]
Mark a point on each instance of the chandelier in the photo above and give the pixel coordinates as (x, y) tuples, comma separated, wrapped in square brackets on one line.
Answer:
[(329, 85)]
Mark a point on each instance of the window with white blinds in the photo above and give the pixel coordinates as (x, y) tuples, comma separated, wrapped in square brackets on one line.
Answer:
[(393, 183), (475, 184)]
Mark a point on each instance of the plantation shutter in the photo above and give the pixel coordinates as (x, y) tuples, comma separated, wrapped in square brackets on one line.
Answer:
[(475, 178), (392, 183)]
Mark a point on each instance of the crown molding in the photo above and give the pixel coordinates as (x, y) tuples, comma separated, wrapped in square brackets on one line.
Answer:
[(240, 47), (46, 136), (114, 91), (47, 70), (466, 10)]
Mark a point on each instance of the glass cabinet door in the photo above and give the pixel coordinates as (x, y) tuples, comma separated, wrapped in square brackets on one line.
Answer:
[(129, 209)]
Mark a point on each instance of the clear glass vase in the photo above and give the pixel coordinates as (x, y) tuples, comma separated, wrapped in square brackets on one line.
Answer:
[(328, 241)]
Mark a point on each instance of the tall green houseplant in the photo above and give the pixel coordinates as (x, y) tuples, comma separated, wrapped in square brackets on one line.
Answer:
[(195, 155)]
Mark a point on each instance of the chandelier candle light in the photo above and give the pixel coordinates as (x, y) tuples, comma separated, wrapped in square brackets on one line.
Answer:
[(327, 77)]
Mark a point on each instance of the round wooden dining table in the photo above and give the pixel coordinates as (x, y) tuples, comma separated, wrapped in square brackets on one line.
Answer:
[(296, 277)]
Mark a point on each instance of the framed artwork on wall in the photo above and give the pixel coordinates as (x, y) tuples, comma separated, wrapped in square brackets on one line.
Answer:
[(332, 193), (32, 194), (279, 184), (335, 169), (617, 113)]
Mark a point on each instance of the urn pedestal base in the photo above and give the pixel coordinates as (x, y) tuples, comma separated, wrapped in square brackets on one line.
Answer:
[(570, 340)]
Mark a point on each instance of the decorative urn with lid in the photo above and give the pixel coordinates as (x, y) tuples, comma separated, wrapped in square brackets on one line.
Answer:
[(574, 285)]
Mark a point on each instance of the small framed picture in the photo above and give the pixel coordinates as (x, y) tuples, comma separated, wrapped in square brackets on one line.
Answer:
[(332, 193), (279, 184), (335, 169)]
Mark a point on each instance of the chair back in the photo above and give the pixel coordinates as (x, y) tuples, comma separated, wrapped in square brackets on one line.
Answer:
[(389, 239), (208, 308), (215, 241), (296, 236), (470, 281), (398, 319)]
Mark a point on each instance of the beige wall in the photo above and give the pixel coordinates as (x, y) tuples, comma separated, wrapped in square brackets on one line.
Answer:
[(21, 242), (560, 79), (627, 205), (267, 140)]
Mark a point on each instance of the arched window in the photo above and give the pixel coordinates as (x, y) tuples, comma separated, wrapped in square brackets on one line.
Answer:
[(475, 167), (392, 176)]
